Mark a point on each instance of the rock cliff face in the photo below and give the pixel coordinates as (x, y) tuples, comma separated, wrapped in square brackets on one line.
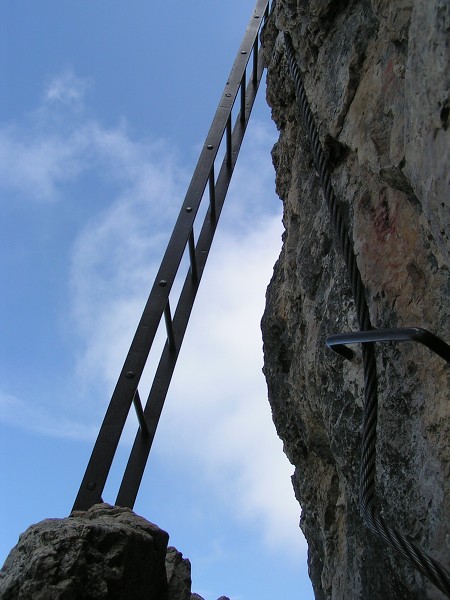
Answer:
[(377, 76), (106, 552)]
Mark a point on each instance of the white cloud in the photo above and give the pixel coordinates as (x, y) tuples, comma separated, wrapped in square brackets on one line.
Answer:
[(34, 167), (41, 157), (115, 252), (116, 255), (44, 151), (217, 414), (67, 89)]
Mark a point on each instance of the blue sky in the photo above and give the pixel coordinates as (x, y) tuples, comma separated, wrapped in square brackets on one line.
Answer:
[(104, 106)]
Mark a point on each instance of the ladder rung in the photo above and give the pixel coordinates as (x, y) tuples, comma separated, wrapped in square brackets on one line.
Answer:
[(229, 142), (243, 84), (212, 194), (140, 413), (169, 326), (194, 272), (255, 62)]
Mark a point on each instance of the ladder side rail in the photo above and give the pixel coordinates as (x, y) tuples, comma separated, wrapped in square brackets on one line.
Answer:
[(114, 421)]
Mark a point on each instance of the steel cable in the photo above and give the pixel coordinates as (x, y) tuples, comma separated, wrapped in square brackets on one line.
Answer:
[(367, 499)]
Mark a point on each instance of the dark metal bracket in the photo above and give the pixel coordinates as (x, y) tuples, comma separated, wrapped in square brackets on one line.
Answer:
[(339, 342)]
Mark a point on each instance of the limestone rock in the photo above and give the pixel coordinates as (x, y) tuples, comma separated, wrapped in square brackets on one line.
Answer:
[(105, 552), (178, 570), (376, 73)]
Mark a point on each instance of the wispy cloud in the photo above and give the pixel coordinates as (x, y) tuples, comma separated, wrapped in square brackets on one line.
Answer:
[(115, 255), (67, 89), (114, 252), (55, 145), (34, 167), (220, 418)]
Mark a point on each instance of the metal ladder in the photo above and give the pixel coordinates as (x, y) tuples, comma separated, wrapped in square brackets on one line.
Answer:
[(183, 237)]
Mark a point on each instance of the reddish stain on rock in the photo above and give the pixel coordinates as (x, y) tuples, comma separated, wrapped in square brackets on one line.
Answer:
[(383, 218)]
